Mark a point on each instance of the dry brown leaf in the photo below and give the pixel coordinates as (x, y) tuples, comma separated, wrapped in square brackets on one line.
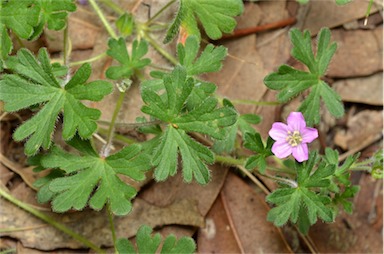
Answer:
[(365, 125), (359, 53), (83, 28), (217, 236), (327, 13), (367, 90), (33, 233), (248, 211), (173, 189)]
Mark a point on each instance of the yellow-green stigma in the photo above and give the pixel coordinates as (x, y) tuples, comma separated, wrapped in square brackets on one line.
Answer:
[(294, 139)]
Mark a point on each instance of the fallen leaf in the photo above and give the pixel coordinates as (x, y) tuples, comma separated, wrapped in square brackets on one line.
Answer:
[(217, 236), (367, 90), (248, 210), (327, 13), (83, 30), (365, 125), (33, 233), (359, 53)]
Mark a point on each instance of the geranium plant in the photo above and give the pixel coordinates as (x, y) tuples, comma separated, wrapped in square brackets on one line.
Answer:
[(178, 105)]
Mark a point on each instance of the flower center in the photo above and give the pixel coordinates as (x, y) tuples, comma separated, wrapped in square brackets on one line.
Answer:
[(294, 139)]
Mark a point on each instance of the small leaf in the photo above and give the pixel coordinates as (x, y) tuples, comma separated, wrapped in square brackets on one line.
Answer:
[(125, 24), (147, 244), (216, 17), (129, 64), (20, 16), (210, 59), (54, 13)]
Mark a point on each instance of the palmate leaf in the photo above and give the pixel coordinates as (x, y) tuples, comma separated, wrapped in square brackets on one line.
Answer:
[(53, 13), (204, 118), (210, 59), (291, 82), (35, 83), (19, 16), (304, 203), (92, 179), (216, 17), (147, 244), (129, 63), (254, 142)]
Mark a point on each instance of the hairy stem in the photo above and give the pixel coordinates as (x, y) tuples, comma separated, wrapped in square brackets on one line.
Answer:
[(106, 149), (156, 46), (252, 102), (112, 225), (92, 59), (103, 19), (159, 12), (50, 221), (113, 6)]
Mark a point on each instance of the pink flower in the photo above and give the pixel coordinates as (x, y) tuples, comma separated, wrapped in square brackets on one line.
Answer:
[(292, 138)]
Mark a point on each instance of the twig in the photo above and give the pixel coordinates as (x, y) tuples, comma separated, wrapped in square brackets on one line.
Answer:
[(251, 30)]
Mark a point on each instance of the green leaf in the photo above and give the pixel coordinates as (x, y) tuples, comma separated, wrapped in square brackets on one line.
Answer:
[(53, 13), (205, 118), (291, 82), (147, 244), (129, 63), (216, 17), (5, 44), (20, 16), (34, 83), (304, 203), (93, 179), (254, 142), (210, 59), (125, 24)]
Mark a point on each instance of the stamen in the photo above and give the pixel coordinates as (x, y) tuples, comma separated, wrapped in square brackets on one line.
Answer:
[(294, 139)]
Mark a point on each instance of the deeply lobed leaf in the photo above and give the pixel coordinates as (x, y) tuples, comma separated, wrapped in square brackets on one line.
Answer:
[(93, 179), (34, 83), (292, 82), (145, 243), (205, 117), (216, 17), (129, 63)]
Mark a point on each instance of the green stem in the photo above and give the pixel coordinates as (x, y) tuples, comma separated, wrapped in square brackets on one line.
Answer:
[(160, 49), (132, 125), (50, 221), (252, 102), (103, 19), (289, 182), (65, 45), (120, 100), (118, 137), (95, 58), (368, 12), (159, 12), (113, 6), (112, 225), (229, 160)]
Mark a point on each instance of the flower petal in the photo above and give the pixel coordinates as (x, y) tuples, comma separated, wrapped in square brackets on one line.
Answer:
[(300, 152), (278, 131), (309, 134), (281, 149), (296, 121)]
